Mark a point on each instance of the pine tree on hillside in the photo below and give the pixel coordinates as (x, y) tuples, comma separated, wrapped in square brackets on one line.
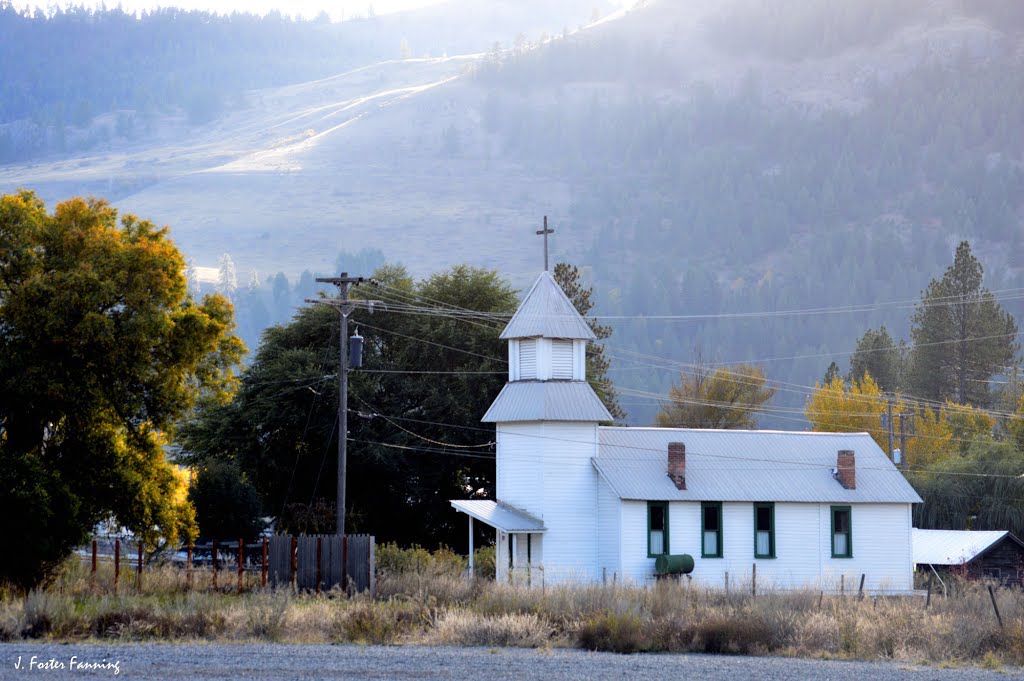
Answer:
[(880, 357), (962, 336)]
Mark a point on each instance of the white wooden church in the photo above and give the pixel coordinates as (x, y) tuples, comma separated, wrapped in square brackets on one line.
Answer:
[(582, 502)]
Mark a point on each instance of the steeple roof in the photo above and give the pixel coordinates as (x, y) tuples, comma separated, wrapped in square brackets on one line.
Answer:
[(546, 311)]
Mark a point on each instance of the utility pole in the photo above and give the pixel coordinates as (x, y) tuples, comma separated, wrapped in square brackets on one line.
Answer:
[(890, 427), (903, 437), (345, 307)]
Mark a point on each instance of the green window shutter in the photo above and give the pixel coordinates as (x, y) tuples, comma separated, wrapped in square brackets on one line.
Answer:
[(657, 529), (842, 531), (711, 543), (764, 530)]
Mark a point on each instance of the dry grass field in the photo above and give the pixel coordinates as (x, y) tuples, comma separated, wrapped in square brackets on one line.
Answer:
[(423, 599)]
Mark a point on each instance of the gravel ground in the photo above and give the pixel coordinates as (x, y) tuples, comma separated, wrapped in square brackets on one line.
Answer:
[(259, 662)]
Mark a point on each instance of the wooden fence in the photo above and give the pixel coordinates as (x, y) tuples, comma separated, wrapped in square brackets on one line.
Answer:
[(322, 562), (308, 563)]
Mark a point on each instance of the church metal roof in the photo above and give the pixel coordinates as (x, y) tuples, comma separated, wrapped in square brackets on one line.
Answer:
[(546, 311), (499, 515), (547, 401), (747, 465)]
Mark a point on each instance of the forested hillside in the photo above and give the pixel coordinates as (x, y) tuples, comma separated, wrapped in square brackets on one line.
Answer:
[(74, 78), (699, 160), (756, 185)]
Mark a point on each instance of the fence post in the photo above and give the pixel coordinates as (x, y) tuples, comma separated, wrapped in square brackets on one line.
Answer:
[(117, 562), (188, 565), (726, 583), (294, 560), (263, 573), (241, 565), (138, 573), (992, 595), (94, 556), (928, 598), (753, 581), (214, 563), (860, 589), (821, 597), (842, 584)]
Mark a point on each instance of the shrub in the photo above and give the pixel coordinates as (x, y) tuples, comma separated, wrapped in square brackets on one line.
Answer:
[(466, 628), (612, 632), (736, 633), (392, 560), (266, 615), (368, 622)]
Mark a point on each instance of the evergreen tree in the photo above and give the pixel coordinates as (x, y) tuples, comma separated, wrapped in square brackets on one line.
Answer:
[(878, 356), (227, 280), (962, 336), (831, 374), (192, 278), (568, 278)]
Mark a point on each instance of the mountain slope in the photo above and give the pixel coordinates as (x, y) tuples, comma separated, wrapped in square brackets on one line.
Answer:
[(700, 159)]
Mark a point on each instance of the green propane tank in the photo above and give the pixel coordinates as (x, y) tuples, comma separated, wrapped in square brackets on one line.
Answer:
[(674, 565)]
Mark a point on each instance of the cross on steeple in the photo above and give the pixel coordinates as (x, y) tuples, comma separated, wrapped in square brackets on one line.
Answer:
[(545, 232)]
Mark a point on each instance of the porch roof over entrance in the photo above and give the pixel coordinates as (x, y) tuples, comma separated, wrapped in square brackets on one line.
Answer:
[(499, 516)]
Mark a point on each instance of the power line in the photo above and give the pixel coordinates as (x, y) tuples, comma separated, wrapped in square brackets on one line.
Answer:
[(806, 464)]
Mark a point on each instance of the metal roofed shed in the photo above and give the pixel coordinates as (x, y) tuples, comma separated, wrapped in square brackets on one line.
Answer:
[(953, 547), (747, 465), (993, 554), (547, 401), (546, 311)]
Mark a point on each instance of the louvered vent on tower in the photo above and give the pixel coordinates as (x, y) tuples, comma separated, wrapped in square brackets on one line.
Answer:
[(561, 359), (528, 359)]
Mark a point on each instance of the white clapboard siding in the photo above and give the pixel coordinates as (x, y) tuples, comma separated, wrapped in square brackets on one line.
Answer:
[(520, 476), (544, 469), (882, 549), (608, 512), (562, 359)]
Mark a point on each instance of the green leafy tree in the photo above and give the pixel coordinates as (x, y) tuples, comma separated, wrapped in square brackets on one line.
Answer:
[(981, 490), (726, 397), (415, 438), (102, 351), (962, 336), (880, 357), (227, 505), (568, 277)]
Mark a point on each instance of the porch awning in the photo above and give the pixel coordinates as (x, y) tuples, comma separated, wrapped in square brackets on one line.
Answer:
[(499, 516)]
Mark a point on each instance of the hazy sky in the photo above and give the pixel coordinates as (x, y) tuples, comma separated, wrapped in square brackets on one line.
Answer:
[(307, 8)]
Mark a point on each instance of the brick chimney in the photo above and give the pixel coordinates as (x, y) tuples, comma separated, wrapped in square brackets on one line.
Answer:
[(847, 471), (677, 464)]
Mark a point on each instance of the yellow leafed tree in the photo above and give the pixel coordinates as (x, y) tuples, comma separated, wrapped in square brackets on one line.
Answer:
[(857, 407)]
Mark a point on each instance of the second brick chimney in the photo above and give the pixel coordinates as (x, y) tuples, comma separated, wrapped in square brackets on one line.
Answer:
[(847, 471), (677, 464)]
